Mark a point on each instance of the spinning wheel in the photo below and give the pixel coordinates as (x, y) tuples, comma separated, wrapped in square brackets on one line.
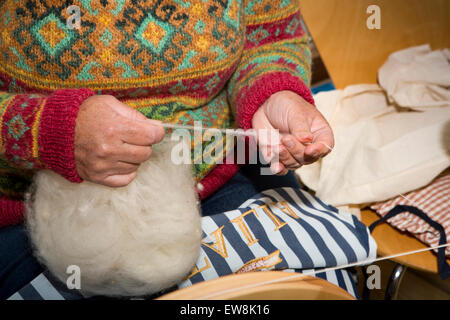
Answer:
[(240, 287)]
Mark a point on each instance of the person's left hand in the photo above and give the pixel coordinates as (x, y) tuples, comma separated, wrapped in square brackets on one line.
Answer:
[(305, 134)]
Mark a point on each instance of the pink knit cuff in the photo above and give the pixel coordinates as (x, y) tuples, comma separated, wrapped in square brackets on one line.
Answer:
[(250, 98), (11, 211), (57, 131), (216, 178)]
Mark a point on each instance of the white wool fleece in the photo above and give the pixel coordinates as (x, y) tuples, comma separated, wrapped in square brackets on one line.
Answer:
[(129, 241)]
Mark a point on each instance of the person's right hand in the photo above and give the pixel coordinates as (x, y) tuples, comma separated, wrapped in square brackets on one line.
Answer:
[(112, 140)]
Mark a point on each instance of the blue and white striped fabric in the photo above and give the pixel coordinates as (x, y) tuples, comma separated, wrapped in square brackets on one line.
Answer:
[(280, 229), (46, 287)]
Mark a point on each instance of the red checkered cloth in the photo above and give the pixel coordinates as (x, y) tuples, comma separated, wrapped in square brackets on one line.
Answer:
[(433, 200)]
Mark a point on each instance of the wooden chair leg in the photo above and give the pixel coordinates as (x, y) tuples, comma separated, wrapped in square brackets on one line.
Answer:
[(394, 282), (365, 291)]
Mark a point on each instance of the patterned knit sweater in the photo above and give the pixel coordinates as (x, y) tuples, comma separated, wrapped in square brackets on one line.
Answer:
[(181, 61)]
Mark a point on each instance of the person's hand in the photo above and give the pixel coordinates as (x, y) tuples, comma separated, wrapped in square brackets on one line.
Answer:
[(305, 134), (112, 140)]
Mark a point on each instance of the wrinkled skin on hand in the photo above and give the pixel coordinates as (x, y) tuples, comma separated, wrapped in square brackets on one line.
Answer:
[(305, 134), (112, 140)]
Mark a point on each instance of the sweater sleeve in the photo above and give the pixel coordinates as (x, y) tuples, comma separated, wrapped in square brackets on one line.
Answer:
[(37, 131), (276, 57)]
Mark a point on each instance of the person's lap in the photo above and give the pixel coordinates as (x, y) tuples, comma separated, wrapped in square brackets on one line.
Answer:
[(18, 266), (245, 184)]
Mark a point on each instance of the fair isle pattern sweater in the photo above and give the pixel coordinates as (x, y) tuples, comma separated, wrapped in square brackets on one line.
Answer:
[(180, 61)]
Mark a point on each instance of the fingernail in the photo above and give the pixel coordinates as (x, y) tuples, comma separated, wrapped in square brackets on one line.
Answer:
[(306, 139)]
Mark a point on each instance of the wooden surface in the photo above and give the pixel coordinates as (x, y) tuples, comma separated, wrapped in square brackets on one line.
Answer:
[(306, 288), (391, 241), (352, 53)]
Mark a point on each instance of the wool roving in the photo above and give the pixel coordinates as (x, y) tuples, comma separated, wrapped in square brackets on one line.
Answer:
[(129, 241)]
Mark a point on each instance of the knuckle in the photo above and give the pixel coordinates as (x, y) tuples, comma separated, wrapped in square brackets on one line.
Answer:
[(103, 150), (96, 167), (284, 154), (110, 131)]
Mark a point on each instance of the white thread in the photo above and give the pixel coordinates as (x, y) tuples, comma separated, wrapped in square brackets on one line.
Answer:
[(407, 199), (301, 275), (224, 131), (232, 132), (330, 148)]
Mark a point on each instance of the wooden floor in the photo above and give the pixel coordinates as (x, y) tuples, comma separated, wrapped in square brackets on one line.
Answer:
[(415, 285)]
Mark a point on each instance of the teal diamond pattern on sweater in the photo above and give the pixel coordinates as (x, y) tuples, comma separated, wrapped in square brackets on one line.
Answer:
[(16, 127), (56, 48), (148, 32)]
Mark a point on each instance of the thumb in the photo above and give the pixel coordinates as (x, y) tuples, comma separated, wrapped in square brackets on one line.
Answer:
[(300, 128)]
